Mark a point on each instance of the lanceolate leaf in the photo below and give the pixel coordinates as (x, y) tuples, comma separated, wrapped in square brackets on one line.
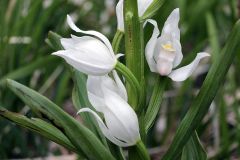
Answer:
[(39, 126), (193, 149), (152, 9), (207, 93), (81, 137), (155, 101)]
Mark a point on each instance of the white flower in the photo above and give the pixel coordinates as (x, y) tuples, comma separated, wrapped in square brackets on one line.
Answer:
[(164, 53), (89, 54), (142, 7), (109, 97)]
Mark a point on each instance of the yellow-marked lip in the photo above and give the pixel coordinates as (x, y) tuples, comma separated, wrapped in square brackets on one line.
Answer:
[(168, 47)]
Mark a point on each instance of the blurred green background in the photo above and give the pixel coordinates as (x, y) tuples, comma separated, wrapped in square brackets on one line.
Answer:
[(26, 57)]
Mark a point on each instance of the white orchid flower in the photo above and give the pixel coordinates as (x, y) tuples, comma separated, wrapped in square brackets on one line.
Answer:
[(89, 54), (142, 7), (164, 53), (109, 97)]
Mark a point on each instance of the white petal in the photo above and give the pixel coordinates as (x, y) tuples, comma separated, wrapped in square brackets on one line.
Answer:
[(95, 92), (143, 6), (119, 13), (150, 47), (85, 62), (70, 43), (94, 33), (67, 43), (97, 102), (179, 55), (121, 88), (183, 73), (120, 118), (170, 28), (104, 129)]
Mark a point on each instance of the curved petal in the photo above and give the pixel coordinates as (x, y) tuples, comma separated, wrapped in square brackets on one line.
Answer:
[(121, 88), (104, 129), (119, 55), (85, 62), (143, 6), (151, 44), (119, 13), (120, 118), (94, 33), (183, 73)]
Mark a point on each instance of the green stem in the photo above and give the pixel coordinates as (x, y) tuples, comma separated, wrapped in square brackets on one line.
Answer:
[(155, 101), (139, 151), (131, 79), (117, 41), (134, 47)]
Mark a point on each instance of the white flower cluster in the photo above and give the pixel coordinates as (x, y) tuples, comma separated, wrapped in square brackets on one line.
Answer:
[(93, 55)]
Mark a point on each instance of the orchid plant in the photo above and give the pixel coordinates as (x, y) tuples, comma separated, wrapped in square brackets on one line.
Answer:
[(111, 95)]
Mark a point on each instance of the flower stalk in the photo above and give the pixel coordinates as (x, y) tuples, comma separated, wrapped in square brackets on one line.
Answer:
[(131, 79), (117, 40)]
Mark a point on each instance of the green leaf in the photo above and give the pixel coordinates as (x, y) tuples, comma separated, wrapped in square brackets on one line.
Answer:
[(155, 101), (80, 136), (39, 126), (152, 9), (193, 149), (201, 103)]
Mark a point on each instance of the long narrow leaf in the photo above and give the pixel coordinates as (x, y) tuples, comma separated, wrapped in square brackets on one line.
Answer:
[(193, 149), (39, 126), (81, 137), (155, 101)]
